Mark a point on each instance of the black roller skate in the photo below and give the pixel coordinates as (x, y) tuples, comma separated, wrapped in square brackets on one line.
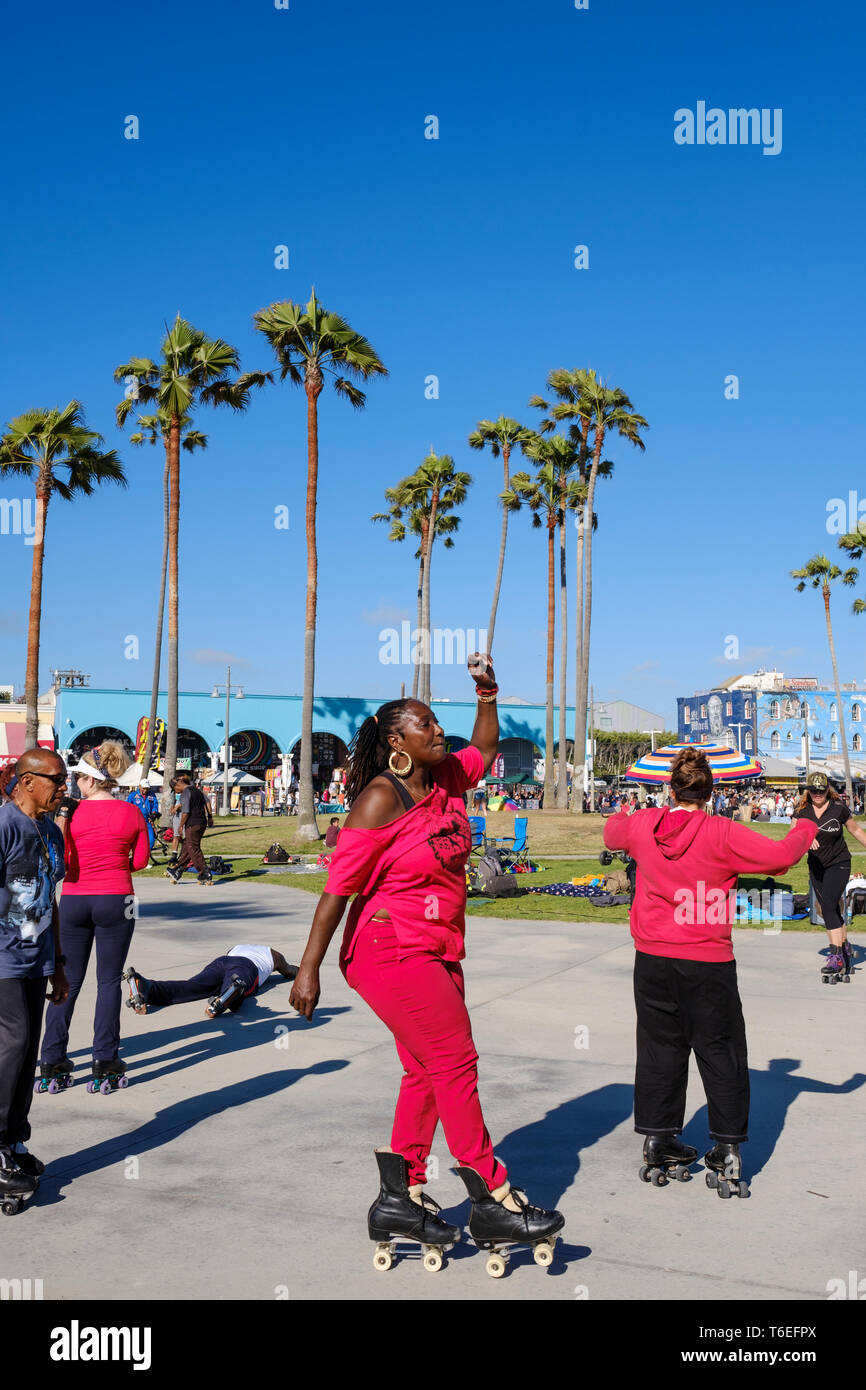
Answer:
[(27, 1162), (498, 1225), (221, 1002), (396, 1217), (665, 1157), (54, 1077), (139, 990), (838, 966), (107, 1077), (15, 1184), (725, 1170)]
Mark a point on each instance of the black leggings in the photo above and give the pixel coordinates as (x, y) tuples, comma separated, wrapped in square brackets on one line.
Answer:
[(86, 918), (829, 883)]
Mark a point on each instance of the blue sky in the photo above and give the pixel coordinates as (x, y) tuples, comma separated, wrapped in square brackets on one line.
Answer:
[(305, 127)]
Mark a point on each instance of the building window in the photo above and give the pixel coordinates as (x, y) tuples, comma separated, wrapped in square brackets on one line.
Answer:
[(788, 735), (774, 739), (687, 714), (855, 712), (703, 711), (748, 741), (775, 709), (834, 743), (729, 708), (804, 710), (856, 743), (834, 713), (748, 710)]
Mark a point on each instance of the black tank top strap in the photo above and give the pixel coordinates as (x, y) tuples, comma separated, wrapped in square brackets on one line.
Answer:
[(402, 791)]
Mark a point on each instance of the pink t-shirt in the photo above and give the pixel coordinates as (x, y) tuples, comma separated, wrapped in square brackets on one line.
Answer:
[(99, 841), (415, 867)]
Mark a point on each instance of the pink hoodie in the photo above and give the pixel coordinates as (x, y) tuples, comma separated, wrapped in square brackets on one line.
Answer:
[(687, 867)]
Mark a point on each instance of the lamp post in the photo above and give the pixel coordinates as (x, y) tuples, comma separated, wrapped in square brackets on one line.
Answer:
[(226, 808)]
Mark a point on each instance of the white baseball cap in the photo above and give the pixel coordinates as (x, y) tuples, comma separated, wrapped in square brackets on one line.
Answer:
[(86, 770)]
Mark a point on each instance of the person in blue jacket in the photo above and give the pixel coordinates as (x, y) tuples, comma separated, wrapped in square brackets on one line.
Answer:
[(145, 799)]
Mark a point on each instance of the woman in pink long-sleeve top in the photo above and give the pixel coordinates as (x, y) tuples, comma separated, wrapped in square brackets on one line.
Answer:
[(105, 841), (685, 976)]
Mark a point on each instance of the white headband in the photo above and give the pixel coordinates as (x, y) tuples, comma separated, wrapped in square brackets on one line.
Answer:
[(83, 769)]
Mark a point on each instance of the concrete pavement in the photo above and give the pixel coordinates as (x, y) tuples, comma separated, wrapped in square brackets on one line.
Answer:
[(238, 1163)]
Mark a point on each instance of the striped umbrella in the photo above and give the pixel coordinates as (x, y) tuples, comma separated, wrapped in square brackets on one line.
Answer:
[(726, 763)]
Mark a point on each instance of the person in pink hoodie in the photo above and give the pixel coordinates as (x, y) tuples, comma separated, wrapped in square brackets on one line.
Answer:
[(685, 976)]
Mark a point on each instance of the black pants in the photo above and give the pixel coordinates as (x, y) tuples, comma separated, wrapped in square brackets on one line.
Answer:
[(85, 918), (829, 883), (214, 979), (684, 1006), (21, 1005)]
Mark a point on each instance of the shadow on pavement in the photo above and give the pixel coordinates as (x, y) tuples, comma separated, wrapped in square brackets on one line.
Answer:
[(773, 1091), (173, 1120)]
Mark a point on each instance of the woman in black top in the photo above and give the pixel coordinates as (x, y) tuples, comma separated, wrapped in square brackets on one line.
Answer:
[(830, 864)]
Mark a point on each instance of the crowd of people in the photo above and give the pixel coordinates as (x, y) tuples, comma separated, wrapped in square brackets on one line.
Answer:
[(398, 865)]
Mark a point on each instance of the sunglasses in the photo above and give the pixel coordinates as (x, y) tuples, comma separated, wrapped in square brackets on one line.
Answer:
[(59, 779)]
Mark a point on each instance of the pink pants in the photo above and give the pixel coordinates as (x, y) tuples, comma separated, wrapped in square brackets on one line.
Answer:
[(420, 998)]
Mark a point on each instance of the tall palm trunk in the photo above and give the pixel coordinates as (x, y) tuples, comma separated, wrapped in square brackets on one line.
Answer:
[(154, 693), (583, 690), (416, 661), (548, 690), (307, 826), (579, 755), (506, 454), (31, 676), (171, 714), (848, 788), (426, 681), (562, 770)]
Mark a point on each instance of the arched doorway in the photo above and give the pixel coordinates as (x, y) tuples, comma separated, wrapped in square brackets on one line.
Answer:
[(329, 751), (254, 751), (100, 733), (454, 742), (192, 751)]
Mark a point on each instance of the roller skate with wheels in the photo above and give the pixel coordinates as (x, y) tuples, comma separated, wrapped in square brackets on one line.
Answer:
[(108, 1076), (139, 990), (404, 1215), (221, 1002), (848, 953), (665, 1157), (53, 1077), (15, 1184), (174, 874), (838, 966), (205, 880), (725, 1170), (504, 1218)]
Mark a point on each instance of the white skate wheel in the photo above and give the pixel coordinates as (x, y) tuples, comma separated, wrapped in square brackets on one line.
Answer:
[(432, 1261), (543, 1254), (496, 1266)]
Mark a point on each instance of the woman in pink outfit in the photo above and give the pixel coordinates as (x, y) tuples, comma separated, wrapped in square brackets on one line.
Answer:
[(685, 976), (402, 852), (105, 840)]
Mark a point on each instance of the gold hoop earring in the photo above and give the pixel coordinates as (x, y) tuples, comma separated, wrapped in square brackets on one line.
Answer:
[(396, 770)]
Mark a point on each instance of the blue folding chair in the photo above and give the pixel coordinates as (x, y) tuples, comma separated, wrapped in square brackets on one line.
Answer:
[(479, 839), (514, 847)]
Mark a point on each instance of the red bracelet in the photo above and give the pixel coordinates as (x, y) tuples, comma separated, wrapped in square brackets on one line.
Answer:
[(486, 689)]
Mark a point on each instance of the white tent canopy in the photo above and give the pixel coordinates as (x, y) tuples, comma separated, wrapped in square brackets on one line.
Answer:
[(237, 778)]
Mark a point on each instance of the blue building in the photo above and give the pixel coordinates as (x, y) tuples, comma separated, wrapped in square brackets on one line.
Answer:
[(724, 715)]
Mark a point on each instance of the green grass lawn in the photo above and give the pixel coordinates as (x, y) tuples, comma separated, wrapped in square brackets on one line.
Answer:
[(535, 906)]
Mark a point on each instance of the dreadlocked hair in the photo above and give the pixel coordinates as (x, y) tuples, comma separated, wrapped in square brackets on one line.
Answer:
[(369, 750)]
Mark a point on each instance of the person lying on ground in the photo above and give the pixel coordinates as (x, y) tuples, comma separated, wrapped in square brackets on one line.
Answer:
[(226, 982)]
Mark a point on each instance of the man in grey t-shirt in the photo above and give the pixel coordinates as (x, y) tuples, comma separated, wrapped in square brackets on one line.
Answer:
[(195, 818)]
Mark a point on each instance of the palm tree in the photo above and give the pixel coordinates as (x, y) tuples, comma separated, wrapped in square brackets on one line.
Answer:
[(546, 499), (193, 370), (583, 397), (560, 451), (500, 436), (35, 446), (406, 516), (308, 343), (150, 429), (819, 573)]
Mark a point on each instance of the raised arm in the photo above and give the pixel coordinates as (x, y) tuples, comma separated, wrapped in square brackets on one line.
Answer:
[(485, 732), (756, 852)]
